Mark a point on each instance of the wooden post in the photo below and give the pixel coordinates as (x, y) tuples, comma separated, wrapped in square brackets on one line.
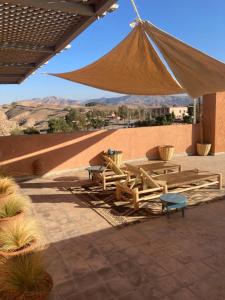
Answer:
[(118, 192), (136, 199)]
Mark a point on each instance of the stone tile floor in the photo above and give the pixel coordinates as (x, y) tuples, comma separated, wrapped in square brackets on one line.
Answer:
[(168, 259)]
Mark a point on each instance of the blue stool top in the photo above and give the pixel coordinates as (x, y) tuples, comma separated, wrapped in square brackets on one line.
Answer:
[(173, 198), (96, 168)]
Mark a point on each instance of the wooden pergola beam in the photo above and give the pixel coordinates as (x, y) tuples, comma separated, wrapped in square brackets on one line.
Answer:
[(26, 47), (56, 5), (17, 65), (10, 75)]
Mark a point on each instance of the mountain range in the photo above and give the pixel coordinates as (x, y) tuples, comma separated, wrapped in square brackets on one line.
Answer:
[(36, 112), (178, 100)]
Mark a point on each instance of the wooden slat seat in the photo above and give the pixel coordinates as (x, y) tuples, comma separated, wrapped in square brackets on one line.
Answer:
[(145, 187)]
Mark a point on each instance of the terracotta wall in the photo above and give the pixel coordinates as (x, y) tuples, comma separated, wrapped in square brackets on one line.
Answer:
[(214, 121), (22, 155)]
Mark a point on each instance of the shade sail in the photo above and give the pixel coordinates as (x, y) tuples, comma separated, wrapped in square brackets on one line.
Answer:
[(133, 67), (198, 73)]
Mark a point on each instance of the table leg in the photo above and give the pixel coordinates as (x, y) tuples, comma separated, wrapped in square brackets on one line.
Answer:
[(183, 212), (167, 211)]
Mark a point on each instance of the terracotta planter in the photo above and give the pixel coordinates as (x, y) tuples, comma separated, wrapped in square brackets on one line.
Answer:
[(203, 149), (35, 295), (28, 249), (117, 158), (166, 152), (38, 167), (11, 220)]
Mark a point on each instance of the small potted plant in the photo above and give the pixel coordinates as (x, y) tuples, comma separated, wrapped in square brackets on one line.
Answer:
[(13, 209), (203, 148), (166, 152), (8, 187), (24, 277), (18, 238)]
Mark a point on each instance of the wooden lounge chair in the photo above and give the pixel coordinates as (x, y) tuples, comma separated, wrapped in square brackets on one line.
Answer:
[(145, 187), (155, 167), (111, 174)]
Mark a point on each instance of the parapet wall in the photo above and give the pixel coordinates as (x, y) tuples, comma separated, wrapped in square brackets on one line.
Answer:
[(26, 155)]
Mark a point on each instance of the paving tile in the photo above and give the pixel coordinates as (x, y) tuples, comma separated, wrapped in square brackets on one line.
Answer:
[(152, 292), (106, 273), (116, 257), (185, 276), (183, 294), (155, 271), (204, 291), (119, 286), (200, 269), (98, 292), (167, 284), (66, 288), (76, 297), (126, 267), (138, 278), (86, 281), (170, 264), (97, 262), (136, 295)]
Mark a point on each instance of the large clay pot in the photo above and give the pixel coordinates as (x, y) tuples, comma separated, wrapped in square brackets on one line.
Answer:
[(203, 149), (38, 167), (32, 295), (11, 220), (32, 247), (117, 157), (166, 152)]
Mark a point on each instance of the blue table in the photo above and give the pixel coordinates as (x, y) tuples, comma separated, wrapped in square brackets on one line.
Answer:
[(173, 201), (95, 169)]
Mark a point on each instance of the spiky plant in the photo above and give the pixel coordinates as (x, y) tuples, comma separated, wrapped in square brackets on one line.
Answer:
[(15, 204), (22, 275), (7, 186), (18, 235)]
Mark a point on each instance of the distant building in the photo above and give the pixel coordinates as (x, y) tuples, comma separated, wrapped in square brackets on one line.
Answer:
[(179, 111)]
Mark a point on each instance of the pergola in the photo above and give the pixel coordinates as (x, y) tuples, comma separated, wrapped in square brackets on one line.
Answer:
[(33, 31)]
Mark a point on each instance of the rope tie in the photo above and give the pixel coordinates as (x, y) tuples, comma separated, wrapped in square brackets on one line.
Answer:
[(136, 10)]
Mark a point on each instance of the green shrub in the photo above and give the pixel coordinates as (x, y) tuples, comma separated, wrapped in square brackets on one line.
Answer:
[(31, 130), (7, 186), (17, 131), (15, 204), (19, 235), (58, 125), (22, 274)]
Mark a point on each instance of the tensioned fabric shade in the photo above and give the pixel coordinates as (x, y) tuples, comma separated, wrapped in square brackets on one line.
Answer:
[(198, 73), (132, 67)]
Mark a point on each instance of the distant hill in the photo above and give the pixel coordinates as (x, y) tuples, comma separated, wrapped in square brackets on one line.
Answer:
[(37, 111), (48, 101), (179, 100), (53, 101)]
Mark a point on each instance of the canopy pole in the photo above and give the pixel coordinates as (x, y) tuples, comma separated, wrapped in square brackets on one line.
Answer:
[(136, 10)]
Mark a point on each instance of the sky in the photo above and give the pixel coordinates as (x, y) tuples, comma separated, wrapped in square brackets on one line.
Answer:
[(200, 23)]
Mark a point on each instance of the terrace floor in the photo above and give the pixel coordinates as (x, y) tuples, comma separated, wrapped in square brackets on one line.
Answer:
[(169, 259)]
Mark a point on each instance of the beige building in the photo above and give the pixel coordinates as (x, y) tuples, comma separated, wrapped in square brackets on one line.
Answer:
[(179, 111)]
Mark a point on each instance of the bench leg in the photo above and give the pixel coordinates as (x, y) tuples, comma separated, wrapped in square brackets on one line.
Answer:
[(183, 212)]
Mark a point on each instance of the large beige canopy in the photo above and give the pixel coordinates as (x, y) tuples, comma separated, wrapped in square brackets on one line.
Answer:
[(198, 73), (134, 67)]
